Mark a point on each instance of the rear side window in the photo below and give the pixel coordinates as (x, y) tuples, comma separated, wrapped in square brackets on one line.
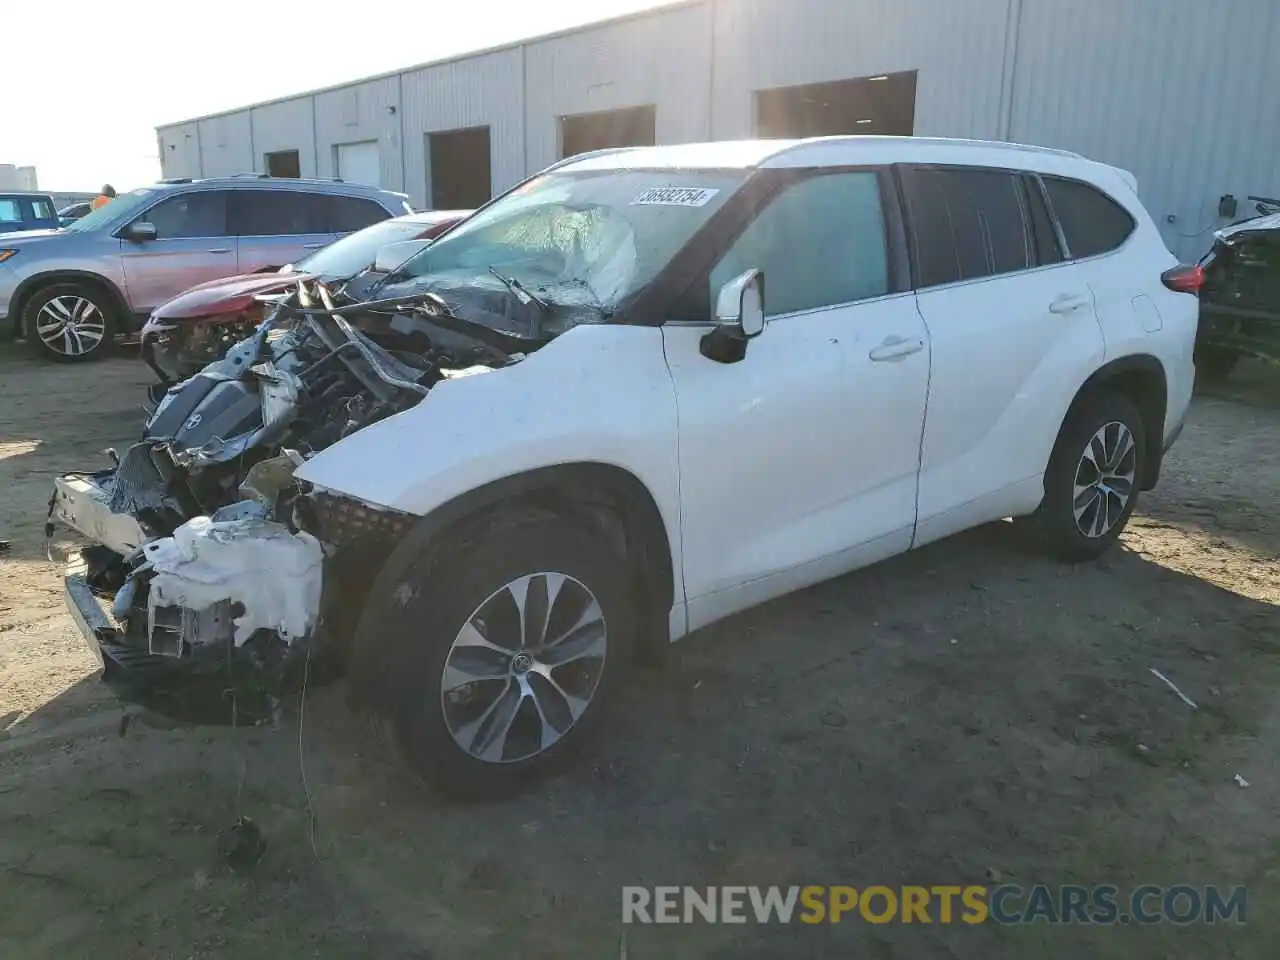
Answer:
[(821, 242), (10, 210), (966, 224), (275, 213), (1091, 222), (189, 215), (43, 209), (347, 214)]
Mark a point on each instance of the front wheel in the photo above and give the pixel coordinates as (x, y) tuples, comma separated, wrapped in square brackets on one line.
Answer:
[(1094, 475), (69, 322), (500, 655)]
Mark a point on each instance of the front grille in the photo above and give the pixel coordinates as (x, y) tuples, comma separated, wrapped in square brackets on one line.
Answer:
[(341, 521)]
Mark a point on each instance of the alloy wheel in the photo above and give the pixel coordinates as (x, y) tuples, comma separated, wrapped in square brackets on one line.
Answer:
[(524, 667), (1104, 479), (71, 325)]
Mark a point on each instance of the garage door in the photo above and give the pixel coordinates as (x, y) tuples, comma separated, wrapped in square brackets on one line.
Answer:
[(358, 163)]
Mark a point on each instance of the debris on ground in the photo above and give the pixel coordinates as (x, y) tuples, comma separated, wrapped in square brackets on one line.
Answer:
[(1241, 780), (1172, 686), (241, 845)]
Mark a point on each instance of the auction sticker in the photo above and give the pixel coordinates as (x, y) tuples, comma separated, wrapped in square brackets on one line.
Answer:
[(675, 197)]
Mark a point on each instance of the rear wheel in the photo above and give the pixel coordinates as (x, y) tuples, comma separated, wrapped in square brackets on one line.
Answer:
[(69, 322), (486, 665), (1214, 364), (1094, 475)]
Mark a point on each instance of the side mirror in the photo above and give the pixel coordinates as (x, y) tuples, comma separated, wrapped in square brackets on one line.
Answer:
[(740, 303), (394, 255), (739, 317), (140, 231)]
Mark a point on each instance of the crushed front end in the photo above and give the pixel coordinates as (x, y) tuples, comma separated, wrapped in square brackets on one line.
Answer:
[(205, 553)]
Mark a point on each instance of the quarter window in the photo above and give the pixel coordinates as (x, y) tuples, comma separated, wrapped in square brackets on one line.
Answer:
[(42, 209), (189, 215), (1092, 222), (966, 224), (821, 242)]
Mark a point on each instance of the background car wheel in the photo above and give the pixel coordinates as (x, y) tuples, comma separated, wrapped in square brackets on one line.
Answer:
[(69, 322), (1214, 364), (1093, 479), (489, 665)]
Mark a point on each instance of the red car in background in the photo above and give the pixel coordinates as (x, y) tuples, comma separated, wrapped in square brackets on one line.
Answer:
[(197, 327)]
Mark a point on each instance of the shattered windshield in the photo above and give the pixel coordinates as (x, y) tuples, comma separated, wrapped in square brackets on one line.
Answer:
[(568, 247)]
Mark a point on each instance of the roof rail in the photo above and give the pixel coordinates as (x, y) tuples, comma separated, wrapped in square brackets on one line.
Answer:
[(174, 180)]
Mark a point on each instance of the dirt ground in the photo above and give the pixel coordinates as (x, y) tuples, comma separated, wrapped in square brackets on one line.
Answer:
[(965, 714)]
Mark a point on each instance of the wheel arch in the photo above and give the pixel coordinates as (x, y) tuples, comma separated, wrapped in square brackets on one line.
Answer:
[(1141, 379), (33, 285), (597, 491)]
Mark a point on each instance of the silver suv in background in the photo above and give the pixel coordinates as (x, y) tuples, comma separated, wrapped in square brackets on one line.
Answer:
[(68, 291)]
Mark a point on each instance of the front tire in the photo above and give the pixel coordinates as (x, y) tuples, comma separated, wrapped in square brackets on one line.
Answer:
[(69, 322), (489, 657), (1094, 475)]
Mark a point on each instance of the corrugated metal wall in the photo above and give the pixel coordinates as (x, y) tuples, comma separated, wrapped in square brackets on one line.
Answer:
[(361, 112), (1181, 92), (957, 47), (285, 125), (179, 147), (474, 92), (662, 59)]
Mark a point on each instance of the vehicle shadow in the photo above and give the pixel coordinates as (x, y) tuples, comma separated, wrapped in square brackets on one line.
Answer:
[(964, 713)]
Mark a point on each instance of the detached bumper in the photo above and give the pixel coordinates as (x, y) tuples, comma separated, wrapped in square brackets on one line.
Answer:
[(103, 638), (81, 502)]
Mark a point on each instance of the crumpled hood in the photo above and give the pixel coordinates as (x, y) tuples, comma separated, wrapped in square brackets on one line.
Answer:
[(230, 295)]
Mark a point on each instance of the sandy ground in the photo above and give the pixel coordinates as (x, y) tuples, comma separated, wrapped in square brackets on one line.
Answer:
[(968, 712)]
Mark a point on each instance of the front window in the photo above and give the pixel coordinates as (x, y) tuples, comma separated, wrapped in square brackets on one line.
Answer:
[(570, 247), (354, 252), (123, 204)]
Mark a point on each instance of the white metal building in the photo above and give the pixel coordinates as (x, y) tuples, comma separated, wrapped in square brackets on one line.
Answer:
[(17, 178), (1180, 92)]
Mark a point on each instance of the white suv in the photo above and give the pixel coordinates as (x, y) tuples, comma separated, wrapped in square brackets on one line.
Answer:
[(730, 370)]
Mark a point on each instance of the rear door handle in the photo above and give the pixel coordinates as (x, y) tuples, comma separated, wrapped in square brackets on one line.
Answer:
[(895, 348), (219, 250), (1068, 303)]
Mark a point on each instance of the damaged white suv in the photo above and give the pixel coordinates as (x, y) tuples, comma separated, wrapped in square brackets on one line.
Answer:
[(643, 390)]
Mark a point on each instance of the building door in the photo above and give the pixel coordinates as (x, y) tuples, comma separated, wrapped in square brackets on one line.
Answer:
[(632, 127), (884, 105), (284, 163), (459, 173), (358, 162)]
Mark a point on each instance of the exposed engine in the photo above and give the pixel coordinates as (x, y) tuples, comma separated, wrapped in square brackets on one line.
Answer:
[(206, 541)]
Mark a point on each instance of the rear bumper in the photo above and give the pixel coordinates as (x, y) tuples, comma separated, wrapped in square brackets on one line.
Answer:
[(81, 502)]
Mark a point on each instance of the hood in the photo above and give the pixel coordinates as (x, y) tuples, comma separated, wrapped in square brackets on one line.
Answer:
[(31, 236), (1254, 225), (228, 295)]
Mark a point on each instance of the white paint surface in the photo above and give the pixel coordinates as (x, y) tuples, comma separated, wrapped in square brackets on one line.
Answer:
[(276, 575)]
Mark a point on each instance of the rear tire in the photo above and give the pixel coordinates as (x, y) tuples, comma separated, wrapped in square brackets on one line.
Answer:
[(1214, 364), (1093, 479), (438, 616), (69, 322)]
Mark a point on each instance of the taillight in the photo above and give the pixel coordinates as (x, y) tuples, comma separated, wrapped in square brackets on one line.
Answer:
[(1183, 279)]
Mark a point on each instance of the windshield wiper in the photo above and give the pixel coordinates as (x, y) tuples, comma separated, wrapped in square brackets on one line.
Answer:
[(520, 291)]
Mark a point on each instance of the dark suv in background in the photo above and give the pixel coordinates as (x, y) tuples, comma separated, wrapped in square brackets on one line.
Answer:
[(69, 291)]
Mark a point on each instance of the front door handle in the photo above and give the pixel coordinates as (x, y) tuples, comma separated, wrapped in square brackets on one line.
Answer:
[(1068, 303), (313, 246), (895, 348), (219, 250)]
